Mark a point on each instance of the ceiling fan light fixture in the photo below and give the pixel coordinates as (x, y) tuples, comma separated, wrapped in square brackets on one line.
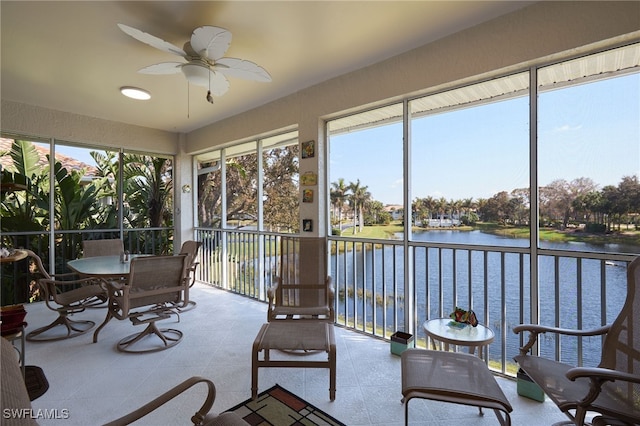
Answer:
[(196, 74), (135, 93)]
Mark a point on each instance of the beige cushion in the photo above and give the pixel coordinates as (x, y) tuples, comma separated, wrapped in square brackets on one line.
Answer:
[(16, 406)]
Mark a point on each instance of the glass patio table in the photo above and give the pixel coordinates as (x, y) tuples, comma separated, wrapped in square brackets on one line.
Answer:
[(102, 266), (441, 330)]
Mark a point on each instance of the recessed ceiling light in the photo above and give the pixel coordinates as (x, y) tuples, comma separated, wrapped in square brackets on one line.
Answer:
[(135, 93)]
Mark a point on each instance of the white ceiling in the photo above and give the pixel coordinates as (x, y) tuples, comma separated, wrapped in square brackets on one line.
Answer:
[(71, 56)]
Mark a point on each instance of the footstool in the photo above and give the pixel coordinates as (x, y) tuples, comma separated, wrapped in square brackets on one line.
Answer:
[(451, 377), (299, 336)]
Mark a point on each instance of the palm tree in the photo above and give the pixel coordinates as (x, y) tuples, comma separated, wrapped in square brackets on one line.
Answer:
[(148, 186), (338, 196), (359, 196), (441, 207)]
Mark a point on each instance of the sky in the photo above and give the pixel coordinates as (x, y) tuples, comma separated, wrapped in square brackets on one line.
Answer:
[(589, 130)]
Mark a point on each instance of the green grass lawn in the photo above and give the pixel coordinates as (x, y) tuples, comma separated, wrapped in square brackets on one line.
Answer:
[(631, 237)]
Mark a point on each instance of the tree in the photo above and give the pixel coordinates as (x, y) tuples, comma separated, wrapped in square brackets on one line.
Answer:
[(629, 196), (497, 208), (281, 189), (556, 199), (375, 214), (148, 188), (338, 196), (359, 196), (21, 210)]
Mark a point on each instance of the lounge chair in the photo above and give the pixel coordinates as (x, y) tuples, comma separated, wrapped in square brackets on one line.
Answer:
[(611, 389)]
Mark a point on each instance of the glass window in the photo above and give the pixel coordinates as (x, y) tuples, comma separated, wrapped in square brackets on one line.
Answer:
[(147, 202), (589, 154), (280, 162), (209, 190), (25, 186), (366, 174), (470, 163), (241, 184)]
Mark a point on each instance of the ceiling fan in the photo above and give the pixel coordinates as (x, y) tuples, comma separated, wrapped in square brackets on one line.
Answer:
[(205, 65)]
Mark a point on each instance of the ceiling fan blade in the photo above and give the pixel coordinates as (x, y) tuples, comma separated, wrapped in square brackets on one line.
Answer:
[(162, 68), (210, 42), (242, 69), (152, 41)]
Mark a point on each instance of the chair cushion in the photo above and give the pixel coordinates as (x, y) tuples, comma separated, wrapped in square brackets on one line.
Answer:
[(551, 377), (14, 392)]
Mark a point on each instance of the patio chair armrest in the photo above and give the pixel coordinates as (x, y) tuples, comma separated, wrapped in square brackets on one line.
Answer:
[(331, 291), (271, 291), (76, 282), (602, 373), (65, 275), (535, 329), (112, 287), (197, 418), (271, 296)]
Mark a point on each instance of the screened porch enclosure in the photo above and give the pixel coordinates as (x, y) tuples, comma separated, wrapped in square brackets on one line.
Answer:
[(578, 290)]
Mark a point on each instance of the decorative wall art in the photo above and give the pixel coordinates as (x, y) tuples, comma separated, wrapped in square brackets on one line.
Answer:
[(307, 196), (308, 149), (308, 179), (307, 225)]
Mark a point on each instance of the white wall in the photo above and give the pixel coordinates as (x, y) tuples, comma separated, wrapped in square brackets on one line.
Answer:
[(35, 121)]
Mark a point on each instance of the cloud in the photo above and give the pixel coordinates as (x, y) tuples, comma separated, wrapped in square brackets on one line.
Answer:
[(396, 183), (567, 128)]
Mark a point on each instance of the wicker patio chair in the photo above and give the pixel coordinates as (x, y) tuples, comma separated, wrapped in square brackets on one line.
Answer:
[(155, 286), (66, 294), (106, 247), (613, 388)]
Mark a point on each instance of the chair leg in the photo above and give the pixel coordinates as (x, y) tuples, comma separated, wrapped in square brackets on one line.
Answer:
[(191, 304), (170, 337), (106, 320), (74, 329)]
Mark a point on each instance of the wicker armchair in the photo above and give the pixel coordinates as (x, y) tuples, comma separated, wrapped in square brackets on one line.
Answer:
[(613, 388), (155, 286), (66, 294)]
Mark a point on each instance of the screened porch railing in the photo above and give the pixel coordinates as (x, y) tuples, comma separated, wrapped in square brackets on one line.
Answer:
[(380, 292)]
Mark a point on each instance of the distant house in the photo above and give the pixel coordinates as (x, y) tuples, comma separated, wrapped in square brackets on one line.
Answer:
[(67, 162), (395, 210)]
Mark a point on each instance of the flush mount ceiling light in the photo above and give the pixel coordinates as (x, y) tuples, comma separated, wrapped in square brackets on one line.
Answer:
[(135, 93)]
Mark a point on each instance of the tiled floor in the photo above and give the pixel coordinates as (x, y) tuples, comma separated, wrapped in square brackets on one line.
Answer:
[(93, 383)]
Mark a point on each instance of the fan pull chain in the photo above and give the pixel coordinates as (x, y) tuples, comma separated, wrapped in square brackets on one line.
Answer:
[(209, 97)]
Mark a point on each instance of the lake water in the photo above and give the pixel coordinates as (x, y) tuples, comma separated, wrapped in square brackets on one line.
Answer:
[(444, 279)]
